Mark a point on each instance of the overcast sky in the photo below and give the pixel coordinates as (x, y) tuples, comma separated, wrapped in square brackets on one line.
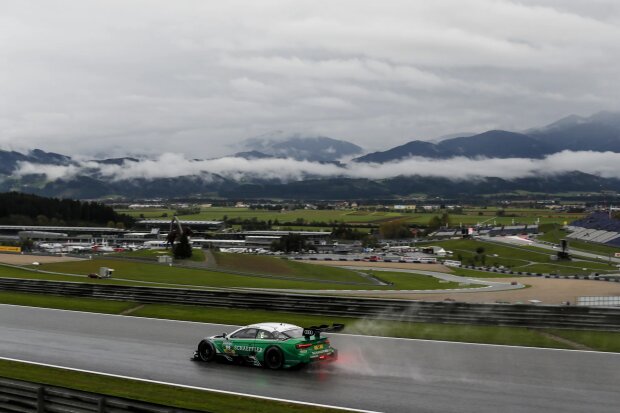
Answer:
[(194, 77)]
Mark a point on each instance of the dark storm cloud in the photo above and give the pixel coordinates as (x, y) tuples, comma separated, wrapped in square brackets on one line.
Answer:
[(193, 77)]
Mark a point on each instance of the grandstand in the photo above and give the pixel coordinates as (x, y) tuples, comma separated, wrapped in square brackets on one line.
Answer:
[(447, 233), (513, 230), (597, 227), (501, 230)]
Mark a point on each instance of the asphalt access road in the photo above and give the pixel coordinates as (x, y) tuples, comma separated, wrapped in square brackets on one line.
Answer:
[(379, 374)]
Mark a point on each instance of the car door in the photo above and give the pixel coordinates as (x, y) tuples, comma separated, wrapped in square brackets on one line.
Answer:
[(242, 342), (263, 340)]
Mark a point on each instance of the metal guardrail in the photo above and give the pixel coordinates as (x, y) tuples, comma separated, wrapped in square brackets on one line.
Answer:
[(526, 315), (18, 396)]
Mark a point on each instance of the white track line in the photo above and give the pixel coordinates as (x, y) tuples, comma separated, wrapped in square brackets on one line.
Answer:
[(189, 387)]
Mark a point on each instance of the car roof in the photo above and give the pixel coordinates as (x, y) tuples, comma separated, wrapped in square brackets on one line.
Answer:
[(274, 326)]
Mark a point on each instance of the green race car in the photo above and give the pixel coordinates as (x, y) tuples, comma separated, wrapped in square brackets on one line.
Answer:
[(272, 345)]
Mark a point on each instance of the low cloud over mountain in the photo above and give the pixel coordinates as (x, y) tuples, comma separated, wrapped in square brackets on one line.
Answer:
[(171, 165), (283, 161)]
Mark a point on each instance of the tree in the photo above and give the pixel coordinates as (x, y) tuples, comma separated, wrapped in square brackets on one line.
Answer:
[(434, 223), (345, 232), (394, 229), (182, 250), (42, 220), (27, 245), (370, 242), (445, 219), (480, 256), (291, 242)]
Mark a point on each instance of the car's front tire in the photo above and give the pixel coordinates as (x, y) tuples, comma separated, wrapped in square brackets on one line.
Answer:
[(206, 351), (274, 358)]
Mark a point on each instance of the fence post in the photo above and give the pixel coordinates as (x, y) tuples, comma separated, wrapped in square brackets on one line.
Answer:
[(101, 405), (41, 399)]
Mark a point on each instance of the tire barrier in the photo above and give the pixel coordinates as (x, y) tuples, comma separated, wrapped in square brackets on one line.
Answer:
[(595, 276), (20, 396), (451, 312)]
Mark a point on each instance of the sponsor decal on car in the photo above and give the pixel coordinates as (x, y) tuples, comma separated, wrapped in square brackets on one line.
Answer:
[(248, 348)]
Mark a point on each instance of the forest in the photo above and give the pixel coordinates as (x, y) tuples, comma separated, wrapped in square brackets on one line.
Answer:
[(25, 209)]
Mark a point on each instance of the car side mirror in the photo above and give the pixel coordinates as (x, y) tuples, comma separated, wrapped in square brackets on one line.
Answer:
[(224, 335)]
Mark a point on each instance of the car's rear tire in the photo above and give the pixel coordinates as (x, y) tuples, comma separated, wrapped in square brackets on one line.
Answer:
[(206, 351), (274, 358)]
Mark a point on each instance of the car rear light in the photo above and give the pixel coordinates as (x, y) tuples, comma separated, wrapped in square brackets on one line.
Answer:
[(303, 345)]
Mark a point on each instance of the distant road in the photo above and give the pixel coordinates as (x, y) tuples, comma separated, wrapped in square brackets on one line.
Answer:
[(373, 373)]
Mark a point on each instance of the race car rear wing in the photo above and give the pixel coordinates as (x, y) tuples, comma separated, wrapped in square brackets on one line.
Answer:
[(324, 328)]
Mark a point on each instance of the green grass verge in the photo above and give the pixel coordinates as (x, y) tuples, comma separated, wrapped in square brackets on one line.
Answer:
[(65, 303), (9, 272), (178, 397), (165, 275), (277, 266), (151, 254), (130, 273), (598, 340)]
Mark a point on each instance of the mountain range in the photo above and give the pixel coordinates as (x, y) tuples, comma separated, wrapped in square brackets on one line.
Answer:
[(599, 132), (297, 146)]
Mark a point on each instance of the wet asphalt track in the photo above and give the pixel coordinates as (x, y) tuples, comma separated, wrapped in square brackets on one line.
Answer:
[(377, 374)]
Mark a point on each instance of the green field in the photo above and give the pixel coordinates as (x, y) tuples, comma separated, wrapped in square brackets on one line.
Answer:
[(469, 216), (308, 216)]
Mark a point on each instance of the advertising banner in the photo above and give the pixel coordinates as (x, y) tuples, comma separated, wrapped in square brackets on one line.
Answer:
[(10, 249)]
